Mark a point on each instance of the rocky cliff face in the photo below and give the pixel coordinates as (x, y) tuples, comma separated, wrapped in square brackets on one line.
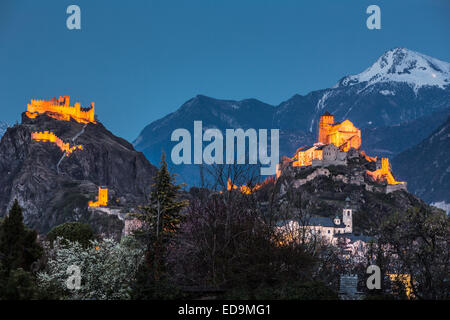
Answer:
[(53, 188)]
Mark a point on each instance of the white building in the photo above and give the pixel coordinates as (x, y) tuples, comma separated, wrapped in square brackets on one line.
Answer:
[(339, 229)]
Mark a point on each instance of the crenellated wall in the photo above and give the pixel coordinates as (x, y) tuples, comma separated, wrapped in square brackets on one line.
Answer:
[(60, 109), (47, 136)]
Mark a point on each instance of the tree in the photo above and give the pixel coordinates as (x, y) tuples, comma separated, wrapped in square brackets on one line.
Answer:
[(72, 231), (20, 285), (226, 246), (160, 221), (18, 251), (18, 246), (107, 269), (417, 244)]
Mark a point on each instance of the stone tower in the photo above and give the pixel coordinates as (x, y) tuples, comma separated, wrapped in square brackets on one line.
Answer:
[(326, 121)]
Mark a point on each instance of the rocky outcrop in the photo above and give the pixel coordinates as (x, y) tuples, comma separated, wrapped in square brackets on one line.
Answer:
[(322, 191), (54, 188)]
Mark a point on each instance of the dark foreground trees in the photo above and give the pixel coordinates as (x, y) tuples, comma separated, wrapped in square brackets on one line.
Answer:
[(417, 243), (220, 245), (19, 251), (226, 246), (160, 222)]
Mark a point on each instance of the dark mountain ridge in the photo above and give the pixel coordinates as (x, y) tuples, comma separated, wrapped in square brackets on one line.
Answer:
[(427, 166), (396, 102)]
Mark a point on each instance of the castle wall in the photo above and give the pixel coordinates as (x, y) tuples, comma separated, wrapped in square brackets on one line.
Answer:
[(47, 136), (102, 198), (326, 163), (395, 187), (384, 173), (305, 158), (61, 110)]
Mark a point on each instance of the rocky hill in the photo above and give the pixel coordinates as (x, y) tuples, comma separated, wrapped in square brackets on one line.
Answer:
[(322, 191), (54, 188)]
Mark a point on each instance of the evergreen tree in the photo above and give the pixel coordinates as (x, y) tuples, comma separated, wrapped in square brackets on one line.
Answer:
[(160, 221), (18, 251), (18, 246)]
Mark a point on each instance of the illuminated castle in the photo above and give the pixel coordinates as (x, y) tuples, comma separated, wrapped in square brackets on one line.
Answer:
[(335, 139), (52, 138), (383, 172), (343, 135), (102, 200), (60, 109)]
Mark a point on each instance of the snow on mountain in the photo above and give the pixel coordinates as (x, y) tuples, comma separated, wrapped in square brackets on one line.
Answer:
[(403, 65), (442, 205)]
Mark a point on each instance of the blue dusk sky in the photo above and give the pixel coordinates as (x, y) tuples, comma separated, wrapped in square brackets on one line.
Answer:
[(142, 59)]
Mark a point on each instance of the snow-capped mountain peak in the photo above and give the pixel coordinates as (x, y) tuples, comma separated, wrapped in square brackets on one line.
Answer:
[(403, 65)]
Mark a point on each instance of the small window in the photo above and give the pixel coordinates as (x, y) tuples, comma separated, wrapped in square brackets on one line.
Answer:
[(328, 231)]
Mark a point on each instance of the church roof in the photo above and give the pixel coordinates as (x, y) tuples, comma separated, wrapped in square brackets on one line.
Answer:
[(321, 221), (353, 238), (324, 222), (327, 113), (314, 222)]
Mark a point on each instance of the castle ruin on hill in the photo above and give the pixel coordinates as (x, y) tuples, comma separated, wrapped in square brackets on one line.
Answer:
[(60, 109)]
